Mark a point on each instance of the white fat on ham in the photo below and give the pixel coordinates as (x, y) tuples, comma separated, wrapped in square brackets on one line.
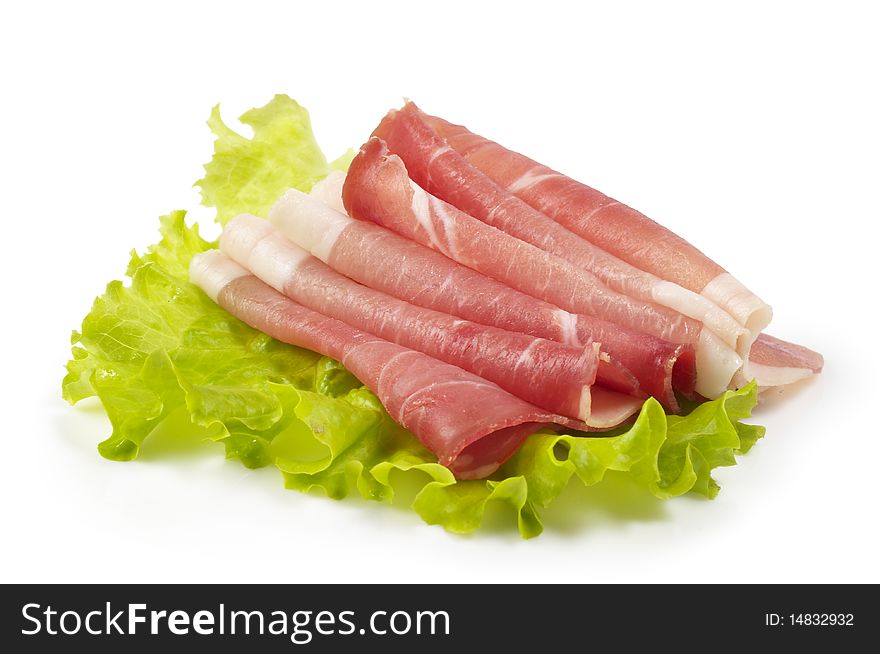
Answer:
[(698, 307), (308, 222), (609, 409), (771, 376), (717, 364), (421, 204), (212, 270), (329, 190), (263, 247), (568, 322), (530, 178), (749, 310)]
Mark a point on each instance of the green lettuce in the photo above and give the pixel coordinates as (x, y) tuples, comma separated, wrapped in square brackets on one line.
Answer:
[(248, 175), (167, 363)]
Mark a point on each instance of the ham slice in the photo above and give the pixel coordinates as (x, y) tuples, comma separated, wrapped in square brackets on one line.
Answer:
[(378, 188), (470, 423), (383, 260), (446, 174), (609, 224), (549, 374), (774, 362)]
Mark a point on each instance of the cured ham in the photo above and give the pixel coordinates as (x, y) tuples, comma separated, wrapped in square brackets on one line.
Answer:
[(378, 188), (471, 424), (549, 374), (383, 260), (774, 362), (613, 226), (329, 190), (446, 174)]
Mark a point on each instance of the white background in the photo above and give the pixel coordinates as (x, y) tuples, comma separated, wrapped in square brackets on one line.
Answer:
[(752, 131)]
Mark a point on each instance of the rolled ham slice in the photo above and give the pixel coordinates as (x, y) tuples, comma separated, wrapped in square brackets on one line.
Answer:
[(381, 259), (446, 174), (378, 188), (471, 424), (611, 225), (549, 374)]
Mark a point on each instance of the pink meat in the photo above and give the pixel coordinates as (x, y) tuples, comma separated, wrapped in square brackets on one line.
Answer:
[(378, 188), (471, 424), (426, 278), (771, 351), (445, 173), (377, 257), (613, 226), (549, 374)]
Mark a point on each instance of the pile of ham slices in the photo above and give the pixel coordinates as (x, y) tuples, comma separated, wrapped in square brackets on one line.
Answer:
[(482, 296)]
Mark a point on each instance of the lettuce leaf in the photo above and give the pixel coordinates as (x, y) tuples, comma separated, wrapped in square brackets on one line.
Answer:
[(168, 363), (248, 175), (160, 344)]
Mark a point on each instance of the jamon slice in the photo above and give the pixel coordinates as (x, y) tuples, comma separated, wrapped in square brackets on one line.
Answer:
[(613, 226), (546, 373), (471, 424), (774, 362), (383, 260), (378, 188), (446, 174)]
